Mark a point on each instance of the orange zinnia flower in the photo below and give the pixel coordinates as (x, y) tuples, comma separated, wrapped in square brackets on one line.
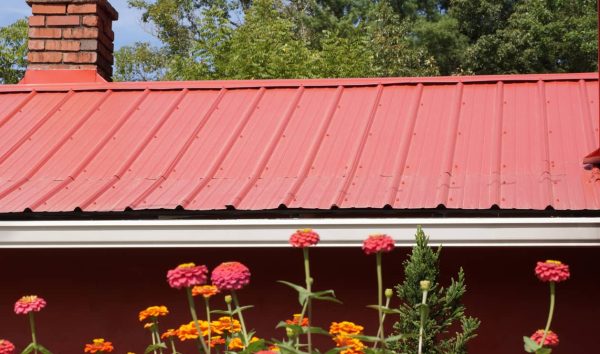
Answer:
[(296, 320), (189, 331), (225, 324), (98, 346), (216, 340), (205, 290), (354, 346), (236, 343), (345, 328), (153, 311), (168, 334)]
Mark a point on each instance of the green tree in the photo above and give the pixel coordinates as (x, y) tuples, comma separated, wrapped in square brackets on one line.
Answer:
[(13, 52), (444, 305), (140, 62), (540, 36)]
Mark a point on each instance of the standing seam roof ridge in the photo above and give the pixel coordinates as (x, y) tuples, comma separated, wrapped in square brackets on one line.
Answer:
[(226, 148), (37, 126), (18, 108), (443, 184), (54, 149), (132, 157), (314, 148), (405, 143), (77, 171), (182, 151), (271, 145), (546, 175), (342, 191), (497, 142)]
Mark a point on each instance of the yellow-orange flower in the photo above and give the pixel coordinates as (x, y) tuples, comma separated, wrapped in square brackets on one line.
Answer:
[(205, 290), (153, 311), (216, 340), (225, 324), (236, 343), (168, 334), (189, 331), (345, 328), (296, 320), (274, 348), (353, 345), (98, 346)]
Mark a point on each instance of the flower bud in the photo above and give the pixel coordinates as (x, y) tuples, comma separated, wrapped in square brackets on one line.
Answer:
[(389, 293), (290, 332), (228, 299), (425, 284)]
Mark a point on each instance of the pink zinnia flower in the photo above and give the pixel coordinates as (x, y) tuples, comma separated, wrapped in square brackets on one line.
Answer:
[(187, 275), (230, 276), (6, 347), (552, 271), (378, 243), (304, 238), (551, 338), (26, 304)]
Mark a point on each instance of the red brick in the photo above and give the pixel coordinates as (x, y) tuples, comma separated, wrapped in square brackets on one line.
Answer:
[(40, 9), (44, 32), (80, 32), (82, 9), (90, 21), (36, 21), (64, 46), (63, 20), (89, 44), (80, 57), (45, 57), (36, 44)]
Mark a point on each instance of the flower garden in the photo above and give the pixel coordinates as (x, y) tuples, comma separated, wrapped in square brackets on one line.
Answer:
[(425, 314)]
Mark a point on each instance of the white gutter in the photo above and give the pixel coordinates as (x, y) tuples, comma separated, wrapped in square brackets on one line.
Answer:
[(275, 232)]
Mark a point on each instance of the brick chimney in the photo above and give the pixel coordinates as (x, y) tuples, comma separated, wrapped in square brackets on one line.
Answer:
[(70, 39)]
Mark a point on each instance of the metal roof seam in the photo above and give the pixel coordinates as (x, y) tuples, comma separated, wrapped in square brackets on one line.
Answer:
[(171, 167), (342, 191), (314, 147), (17, 108), (268, 152), (188, 199), (54, 149), (405, 142), (84, 162), (449, 150), (132, 157), (547, 174), (497, 142), (37, 126)]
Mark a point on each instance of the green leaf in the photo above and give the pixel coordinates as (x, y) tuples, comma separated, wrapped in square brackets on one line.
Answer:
[(316, 330), (28, 349), (255, 346), (385, 310), (333, 351), (364, 338), (302, 292), (240, 309), (543, 351), (530, 345), (153, 347), (286, 348), (222, 312)]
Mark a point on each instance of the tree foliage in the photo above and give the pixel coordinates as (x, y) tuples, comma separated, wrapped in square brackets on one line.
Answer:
[(13, 52), (246, 39), (445, 307)]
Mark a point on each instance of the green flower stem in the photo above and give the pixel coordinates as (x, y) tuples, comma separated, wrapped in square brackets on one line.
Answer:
[(308, 304), (550, 312), (33, 336), (380, 298), (423, 302), (156, 332), (387, 306), (241, 317), (207, 307), (195, 318), (172, 342)]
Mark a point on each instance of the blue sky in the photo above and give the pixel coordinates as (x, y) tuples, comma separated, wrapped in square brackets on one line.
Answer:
[(128, 29)]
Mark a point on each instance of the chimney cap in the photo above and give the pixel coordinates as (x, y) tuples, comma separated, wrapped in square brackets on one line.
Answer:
[(104, 3)]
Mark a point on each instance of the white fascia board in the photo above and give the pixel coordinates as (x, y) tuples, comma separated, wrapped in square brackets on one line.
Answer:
[(275, 232)]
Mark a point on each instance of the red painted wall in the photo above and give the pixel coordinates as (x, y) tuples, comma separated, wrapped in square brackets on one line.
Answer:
[(98, 293)]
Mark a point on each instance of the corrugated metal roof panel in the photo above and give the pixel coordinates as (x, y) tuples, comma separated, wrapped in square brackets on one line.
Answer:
[(515, 142)]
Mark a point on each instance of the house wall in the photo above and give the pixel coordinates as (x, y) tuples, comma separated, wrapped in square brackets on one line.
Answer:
[(98, 292)]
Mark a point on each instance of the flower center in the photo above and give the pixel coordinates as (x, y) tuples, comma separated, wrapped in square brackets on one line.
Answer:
[(29, 299), (553, 262), (186, 265)]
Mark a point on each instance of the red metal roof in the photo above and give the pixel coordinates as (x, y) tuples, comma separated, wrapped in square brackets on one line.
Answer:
[(462, 142)]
